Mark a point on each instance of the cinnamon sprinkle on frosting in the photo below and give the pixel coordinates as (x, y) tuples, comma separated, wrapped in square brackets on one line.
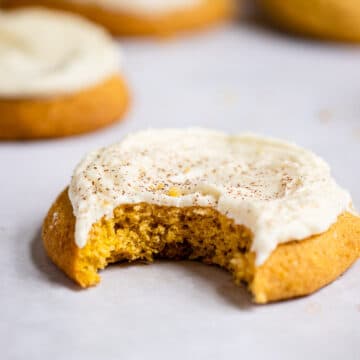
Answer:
[(280, 191)]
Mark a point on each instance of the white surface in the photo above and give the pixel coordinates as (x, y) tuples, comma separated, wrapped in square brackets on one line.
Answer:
[(235, 78)]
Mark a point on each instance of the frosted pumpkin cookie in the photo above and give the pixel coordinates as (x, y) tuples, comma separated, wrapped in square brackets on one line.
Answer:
[(143, 17), (59, 75), (332, 19), (267, 211)]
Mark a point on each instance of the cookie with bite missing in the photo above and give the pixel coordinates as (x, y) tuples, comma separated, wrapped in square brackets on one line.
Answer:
[(267, 211)]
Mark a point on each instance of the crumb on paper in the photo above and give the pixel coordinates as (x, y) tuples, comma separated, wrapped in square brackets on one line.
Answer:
[(230, 97), (325, 116), (313, 308), (356, 134)]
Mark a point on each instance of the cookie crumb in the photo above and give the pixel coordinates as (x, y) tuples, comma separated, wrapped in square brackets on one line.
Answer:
[(174, 192), (230, 98), (313, 308), (160, 186), (356, 134), (325, 116)]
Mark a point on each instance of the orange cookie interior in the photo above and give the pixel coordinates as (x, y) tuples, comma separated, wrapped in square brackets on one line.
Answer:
[(146, 232)]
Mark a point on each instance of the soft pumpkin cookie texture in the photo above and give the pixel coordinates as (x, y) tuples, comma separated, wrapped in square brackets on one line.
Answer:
[(148, 232), (266, 211), (84, 111), (125, 19), (59, 75), (328, 19)]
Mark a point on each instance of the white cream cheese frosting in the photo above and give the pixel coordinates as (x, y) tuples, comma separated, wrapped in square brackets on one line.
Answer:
[(47, 53), (278, 190), (142, 7)]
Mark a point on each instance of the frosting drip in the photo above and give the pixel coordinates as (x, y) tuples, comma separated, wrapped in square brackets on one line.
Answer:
[(280, 191)]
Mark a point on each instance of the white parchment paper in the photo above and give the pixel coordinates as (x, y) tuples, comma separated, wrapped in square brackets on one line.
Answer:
[(236, 78)]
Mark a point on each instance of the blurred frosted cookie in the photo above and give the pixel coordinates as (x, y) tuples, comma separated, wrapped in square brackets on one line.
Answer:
[(331, 19), (267, 211), (59, 75), (144, 17)]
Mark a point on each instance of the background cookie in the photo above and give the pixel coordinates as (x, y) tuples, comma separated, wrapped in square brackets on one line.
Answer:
[(59, 75), (140, 18), (331, 19)]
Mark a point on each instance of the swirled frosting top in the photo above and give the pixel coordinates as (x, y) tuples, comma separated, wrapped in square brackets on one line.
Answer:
[(48, 53), (278, 190)]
